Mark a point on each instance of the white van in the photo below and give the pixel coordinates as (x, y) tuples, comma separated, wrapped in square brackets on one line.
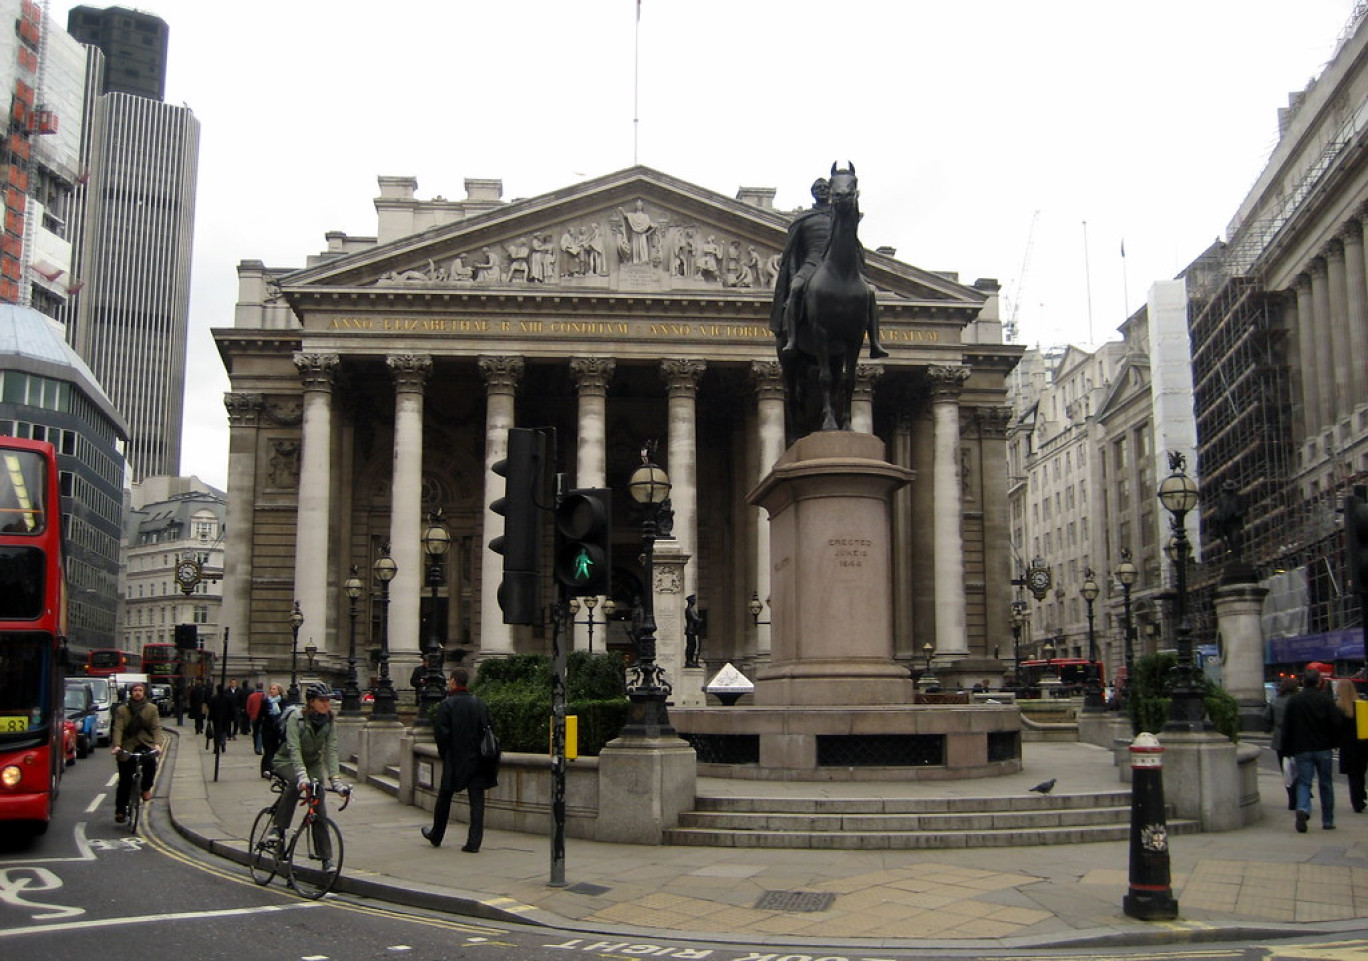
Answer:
[(103, 692)]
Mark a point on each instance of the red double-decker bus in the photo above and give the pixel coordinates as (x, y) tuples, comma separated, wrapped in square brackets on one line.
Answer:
[(108, 661), (161, 663), (32, 632)]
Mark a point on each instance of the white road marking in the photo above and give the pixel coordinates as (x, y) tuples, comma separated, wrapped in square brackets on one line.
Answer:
[(16, 883), (113, 780), (82, 845), (153, 918), (95, 804)]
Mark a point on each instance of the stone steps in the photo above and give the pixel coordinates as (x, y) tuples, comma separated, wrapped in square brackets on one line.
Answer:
[(908, 823)]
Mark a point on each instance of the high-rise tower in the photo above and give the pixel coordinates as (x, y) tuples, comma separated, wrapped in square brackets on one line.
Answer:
[(134, 45)]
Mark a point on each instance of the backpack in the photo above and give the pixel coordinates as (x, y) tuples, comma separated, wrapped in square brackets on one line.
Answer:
[(281, 721)]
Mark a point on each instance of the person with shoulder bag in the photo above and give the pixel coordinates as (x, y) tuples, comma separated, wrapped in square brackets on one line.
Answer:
[(462, 727), (1353, 753)]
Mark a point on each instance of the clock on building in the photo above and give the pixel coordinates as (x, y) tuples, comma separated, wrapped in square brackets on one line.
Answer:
[(1038, 580), (187, 573)]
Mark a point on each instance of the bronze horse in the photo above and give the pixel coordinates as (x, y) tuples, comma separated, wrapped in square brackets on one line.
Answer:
[(838, 307)]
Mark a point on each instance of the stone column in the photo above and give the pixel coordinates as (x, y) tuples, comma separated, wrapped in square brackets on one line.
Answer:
[(768, 381), (1306, 348), (1335, 280), (862, 405), (681, 378), (904, 566), (997, 528), (502, 376), (313, 524), (1238, 610), (244, 414), (592, 376), (1356, 278), (410, 373), (951, 624), (1325, 362)]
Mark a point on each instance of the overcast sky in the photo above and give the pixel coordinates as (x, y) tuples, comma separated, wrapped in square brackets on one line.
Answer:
[(986, 133)]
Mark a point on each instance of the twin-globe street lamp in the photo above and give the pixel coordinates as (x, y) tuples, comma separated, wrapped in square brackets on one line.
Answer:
[(1126, 575), (649, 487), (384, 570), (296, 622), (1178, 494), (351, 694), (591, 602), (436, 542), (1092, 686)]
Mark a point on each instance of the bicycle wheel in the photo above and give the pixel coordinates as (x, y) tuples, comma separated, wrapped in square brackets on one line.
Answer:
[(310, 874), (263, 851), (135, 806)]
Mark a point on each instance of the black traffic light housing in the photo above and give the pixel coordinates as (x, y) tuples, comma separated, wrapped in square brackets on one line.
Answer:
[(187, 637), (1356, 539), (584, 551), (524, 471)]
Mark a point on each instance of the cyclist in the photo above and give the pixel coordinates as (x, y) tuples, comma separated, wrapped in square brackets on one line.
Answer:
[(137, 726), (308, 753)]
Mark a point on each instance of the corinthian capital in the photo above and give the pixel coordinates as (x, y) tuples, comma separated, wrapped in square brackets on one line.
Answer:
[(410, 371), (593, 374), (317, 371), (502, 374), (244, 410), (682, 375), (947, 380), (767, 377)]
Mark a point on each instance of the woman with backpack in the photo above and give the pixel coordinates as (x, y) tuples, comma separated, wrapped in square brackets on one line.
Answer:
[(270, 727)]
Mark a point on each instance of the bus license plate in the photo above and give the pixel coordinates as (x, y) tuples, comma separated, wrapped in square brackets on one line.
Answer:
[(14, 723)]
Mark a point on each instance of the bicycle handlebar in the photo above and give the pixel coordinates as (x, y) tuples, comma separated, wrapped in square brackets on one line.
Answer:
[(315, 786), (146, 753)]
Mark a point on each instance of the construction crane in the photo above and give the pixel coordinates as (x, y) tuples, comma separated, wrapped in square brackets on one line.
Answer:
[(1010, 329)]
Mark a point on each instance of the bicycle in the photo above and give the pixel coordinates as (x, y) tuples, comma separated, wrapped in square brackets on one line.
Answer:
[(265, 858), (135, 801)]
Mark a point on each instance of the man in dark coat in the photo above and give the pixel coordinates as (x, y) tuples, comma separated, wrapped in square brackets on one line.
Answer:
[(1311, 730), (459, 726)]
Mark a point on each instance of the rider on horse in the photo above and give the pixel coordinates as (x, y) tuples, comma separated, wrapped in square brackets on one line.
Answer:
[(803, 250)]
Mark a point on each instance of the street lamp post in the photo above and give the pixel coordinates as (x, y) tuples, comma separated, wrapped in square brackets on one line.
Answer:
[(756, 607), (351, 694), (1127, 574), (591, 602), (436, 542), (384, 569), (1178, 494), (311, 652), (1019, 617), (296, 622), (649, 487), (1092, 686), (928, 680)]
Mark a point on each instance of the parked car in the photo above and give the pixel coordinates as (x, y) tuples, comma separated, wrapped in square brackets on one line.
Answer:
[(161, 696), (80, 711)]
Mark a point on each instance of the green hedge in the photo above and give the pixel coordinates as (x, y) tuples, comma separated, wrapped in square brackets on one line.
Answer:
[(1148, 697), (518, 691)]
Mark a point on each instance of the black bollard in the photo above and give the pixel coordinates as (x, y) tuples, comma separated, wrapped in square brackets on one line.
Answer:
[(1151, 895)]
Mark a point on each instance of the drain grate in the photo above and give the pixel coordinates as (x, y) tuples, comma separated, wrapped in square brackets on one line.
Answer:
[(584, 887), (796, 901)]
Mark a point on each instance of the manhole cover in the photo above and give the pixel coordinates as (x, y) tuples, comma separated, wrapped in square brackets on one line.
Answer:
[(584, 887), (801, 901)]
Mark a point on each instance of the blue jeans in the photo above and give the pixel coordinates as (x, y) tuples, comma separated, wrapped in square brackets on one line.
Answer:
[(1320, 765)]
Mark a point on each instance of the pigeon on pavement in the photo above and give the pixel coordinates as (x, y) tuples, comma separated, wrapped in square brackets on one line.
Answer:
[(1045, 787)]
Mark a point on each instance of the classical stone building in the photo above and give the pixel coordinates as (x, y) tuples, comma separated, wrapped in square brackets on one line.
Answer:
[(379, 382)]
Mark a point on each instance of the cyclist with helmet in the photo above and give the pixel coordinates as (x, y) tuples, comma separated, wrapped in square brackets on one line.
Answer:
[(308, 752)]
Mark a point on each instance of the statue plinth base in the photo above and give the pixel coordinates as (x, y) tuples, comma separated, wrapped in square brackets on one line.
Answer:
[(830, 587)]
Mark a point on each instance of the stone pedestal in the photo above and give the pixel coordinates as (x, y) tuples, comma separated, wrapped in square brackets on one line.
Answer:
[(348, 736), (668, 597), (688, 690), (1238, 609), (648, 783), (831, 591), (1104, 728), (1202, 780), (378, 747)]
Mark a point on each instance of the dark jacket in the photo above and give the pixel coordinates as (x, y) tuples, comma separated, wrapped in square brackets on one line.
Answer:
[(1313, 722), (460, 723), (137, 726)]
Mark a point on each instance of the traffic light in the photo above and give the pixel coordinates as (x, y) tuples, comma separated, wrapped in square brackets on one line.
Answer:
[(1356, 539), (187, 637), (520, 543), (584, 551)]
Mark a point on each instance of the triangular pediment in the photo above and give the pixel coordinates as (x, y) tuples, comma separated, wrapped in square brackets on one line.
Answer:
[(1132, 378), (634, 231)]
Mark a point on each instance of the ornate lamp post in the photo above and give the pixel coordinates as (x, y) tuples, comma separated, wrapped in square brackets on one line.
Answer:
[(311, 652), (649, 487), (436, 542), (384, 569), (351, 694), (756, 608), (296, 622), (1092, 686), (591, 602), (928, 680), (1019, 617), (1126, 575), (1178, 494)]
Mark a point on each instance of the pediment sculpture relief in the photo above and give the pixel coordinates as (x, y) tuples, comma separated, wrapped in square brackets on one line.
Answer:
[(633, 246)]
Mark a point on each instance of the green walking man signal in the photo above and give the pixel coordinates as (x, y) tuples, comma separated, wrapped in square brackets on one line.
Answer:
[(584, 541), (584, 566)]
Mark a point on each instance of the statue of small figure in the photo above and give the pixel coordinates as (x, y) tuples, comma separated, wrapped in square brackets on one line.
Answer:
[(692, 628), (459, 272), (803, 251), (1227, 520), (519, 253), (708, 261), (594, 263), (489, 270), (639, 228)]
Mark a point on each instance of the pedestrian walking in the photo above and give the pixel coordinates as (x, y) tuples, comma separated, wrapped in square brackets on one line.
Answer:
[(1353, 753), (460, 724), (222, 712), (1311, 732), (254, 704), (1273, 717), (270, 728)]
